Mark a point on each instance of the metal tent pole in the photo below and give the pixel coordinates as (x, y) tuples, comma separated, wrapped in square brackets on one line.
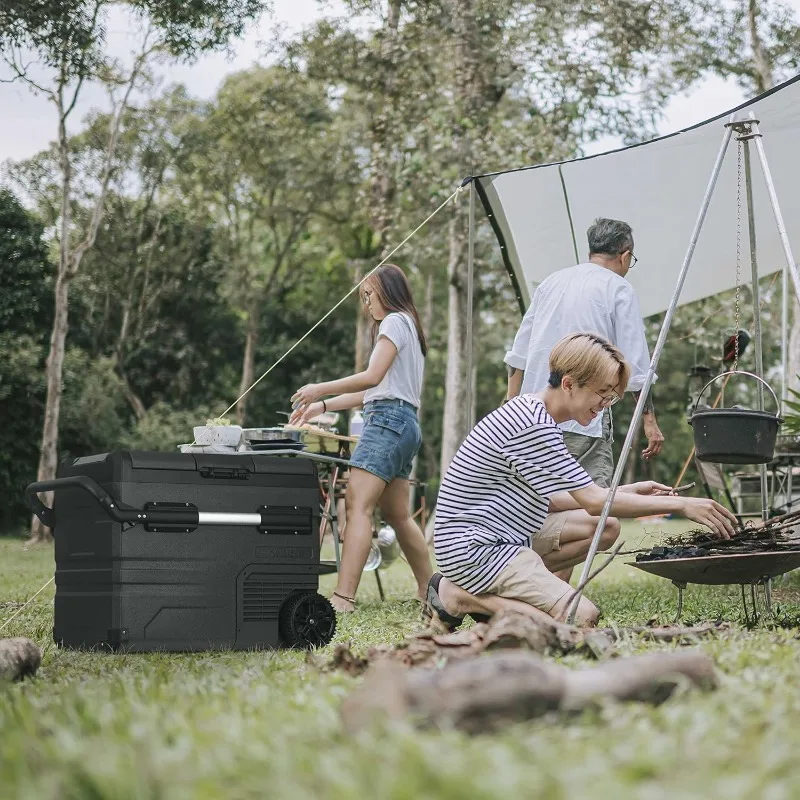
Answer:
[(662, 336), (784, 334), (745, 134), (776, 210), (470, 297)]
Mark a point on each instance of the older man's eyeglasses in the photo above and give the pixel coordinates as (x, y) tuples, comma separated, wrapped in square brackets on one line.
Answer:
[(633, 261)]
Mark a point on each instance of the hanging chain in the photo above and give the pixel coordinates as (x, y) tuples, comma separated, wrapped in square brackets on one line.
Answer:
[(737, 303)]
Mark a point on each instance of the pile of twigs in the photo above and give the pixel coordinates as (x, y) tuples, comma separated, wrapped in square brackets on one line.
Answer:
[(778, 535)]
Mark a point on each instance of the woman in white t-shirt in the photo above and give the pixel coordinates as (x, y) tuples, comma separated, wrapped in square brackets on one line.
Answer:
[(389, 389)]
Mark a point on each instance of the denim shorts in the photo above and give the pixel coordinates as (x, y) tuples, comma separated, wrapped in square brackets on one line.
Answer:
[(389, 439)]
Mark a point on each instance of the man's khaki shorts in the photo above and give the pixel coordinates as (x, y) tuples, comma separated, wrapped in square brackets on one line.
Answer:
[(548, 539), (526, 578)]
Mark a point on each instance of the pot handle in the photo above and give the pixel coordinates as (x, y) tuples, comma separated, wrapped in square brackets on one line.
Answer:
[(736, 372)]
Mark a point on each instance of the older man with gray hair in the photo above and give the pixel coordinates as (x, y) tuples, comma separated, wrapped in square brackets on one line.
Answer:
[(592, 297)]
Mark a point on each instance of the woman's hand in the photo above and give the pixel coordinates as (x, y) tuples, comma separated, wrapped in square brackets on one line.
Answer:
[(307, 394), (303, 414), (711, 514), (647, 488)]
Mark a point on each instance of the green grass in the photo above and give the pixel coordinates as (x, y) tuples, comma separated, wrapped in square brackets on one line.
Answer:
[(265, 725)]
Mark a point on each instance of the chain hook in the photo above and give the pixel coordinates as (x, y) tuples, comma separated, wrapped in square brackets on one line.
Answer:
[(737, 300)]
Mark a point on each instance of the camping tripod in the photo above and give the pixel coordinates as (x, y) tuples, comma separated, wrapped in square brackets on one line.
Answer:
[(747, 132)]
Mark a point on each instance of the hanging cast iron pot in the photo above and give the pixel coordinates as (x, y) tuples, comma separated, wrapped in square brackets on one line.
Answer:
[(735, 435)]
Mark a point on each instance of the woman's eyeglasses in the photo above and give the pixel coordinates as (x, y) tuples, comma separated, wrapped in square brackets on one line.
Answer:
[(365, 296)]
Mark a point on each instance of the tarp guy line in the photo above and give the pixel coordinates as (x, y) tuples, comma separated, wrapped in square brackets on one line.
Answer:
[(354, 289)]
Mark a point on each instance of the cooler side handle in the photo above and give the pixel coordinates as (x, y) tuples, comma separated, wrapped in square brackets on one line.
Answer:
[(165, 515), (46, 514)]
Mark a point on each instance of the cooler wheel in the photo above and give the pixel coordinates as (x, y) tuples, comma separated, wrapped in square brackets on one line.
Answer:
[(307, 620)]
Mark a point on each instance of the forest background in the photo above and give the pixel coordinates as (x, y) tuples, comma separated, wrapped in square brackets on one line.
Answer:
[(156, 262)]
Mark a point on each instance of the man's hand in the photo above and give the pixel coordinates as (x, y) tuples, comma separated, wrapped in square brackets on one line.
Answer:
[(711, 514), (655, 439), (646, 488)]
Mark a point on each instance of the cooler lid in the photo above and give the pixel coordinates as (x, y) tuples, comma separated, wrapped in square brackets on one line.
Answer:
[(145, 459)]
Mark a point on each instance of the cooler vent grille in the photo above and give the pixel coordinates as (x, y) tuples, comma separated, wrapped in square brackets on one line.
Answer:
[(261, 598)]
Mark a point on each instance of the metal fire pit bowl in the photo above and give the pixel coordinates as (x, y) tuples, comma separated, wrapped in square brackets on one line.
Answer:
[(718, 570), (743, 568)]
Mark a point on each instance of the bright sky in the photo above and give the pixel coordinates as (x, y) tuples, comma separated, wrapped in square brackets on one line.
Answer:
[(28, 121)]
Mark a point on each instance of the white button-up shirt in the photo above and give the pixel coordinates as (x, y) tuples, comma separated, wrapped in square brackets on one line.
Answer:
[(586, 298)]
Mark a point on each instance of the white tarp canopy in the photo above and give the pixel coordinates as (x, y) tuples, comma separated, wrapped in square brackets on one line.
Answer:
[(540, 214)]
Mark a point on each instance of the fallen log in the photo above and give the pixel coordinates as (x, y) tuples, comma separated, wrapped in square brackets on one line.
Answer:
[(482, 695), (506, 631), (19, 658)]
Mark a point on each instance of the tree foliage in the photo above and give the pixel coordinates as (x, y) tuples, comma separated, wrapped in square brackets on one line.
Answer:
[(231, 225), (25, 316), (70, 35)]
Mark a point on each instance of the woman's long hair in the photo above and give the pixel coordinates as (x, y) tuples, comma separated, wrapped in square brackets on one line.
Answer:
[(391, 285)]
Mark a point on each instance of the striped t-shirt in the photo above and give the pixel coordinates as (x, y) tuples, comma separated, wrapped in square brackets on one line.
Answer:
[(495, 493)]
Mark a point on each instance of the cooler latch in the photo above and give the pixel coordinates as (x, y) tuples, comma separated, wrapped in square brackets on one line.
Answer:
[(163, 517), (285, 520)]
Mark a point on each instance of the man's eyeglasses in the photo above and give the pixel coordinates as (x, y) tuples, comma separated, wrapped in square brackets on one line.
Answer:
[(607, 400), (633, 261)]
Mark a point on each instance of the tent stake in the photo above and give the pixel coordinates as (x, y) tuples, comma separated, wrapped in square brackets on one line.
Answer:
[(662, 337)]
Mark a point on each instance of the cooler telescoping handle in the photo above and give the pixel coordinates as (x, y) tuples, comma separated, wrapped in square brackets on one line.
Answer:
[(115, 510), (175, 515)]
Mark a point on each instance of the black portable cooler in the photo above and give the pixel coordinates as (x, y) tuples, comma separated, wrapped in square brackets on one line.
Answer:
[(186, 551)]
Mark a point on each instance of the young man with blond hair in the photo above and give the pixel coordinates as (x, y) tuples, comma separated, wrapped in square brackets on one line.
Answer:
[(495, 545)]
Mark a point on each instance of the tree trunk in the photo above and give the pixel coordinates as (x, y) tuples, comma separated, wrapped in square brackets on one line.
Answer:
[(68, 265), (382, 181), (427, 324), (119, 349), (454, 419), (48, 455), (761, 64), (467, 101), (362, 328), (133, 399), (249, 360)]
